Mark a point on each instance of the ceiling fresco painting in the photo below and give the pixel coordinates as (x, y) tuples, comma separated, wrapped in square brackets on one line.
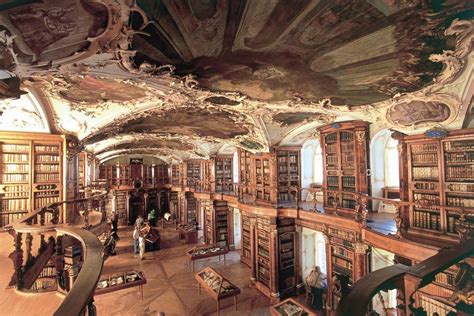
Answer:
[(184, 79)]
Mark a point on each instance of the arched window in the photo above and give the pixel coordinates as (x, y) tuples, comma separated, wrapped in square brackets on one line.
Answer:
[(384, 163), (311, 164), (392, 176)]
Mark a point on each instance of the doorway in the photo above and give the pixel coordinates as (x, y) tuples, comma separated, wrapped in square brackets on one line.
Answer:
[(313, 252), (237, 229), (136, 208)]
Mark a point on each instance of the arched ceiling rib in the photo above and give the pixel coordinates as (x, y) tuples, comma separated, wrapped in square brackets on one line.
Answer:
[(191, 79)]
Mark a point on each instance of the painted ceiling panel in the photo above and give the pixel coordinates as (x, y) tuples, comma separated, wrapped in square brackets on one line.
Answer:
[(189, 78)]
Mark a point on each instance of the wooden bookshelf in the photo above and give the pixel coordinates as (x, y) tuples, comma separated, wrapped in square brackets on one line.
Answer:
[(82, 168), (31, 173), (223, 174), (264, 252), (288, 173), (345, 163), (208, 223), (121, 205), (161, 174), (287, 256), (246, 255), (245, 171), (342, 261), (222, 227), (440, 172), (193, 172), (191, 208), (174, 204), (176, 174), (263, 175)]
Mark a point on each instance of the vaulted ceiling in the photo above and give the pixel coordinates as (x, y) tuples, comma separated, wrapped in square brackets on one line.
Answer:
[(187, 79)]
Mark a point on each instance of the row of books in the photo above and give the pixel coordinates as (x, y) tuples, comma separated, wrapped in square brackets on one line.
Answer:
[(330, 138), (445, 278), (460, 201), (332, 180), (424, 158), (15, 158), (430, 198), (47, 168), (13, 177), (47, 177), (342, 262), (425, 173), (461, 187), (331, 148), (46, 193), (12, 168), (347, 147), (424, 148), (15, 147), (40, 202), (345, 136), (426, 220), (14, 205), (462, 172), (348, 181), (47, 158), (460, 157), (425, 186), (46, 148), (341, 251), (459, 145)]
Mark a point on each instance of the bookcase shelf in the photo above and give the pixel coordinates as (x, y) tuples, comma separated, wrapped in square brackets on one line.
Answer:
[(439, 172), (263, 251), (345, 163), (286, 256), (31, 173), (263, 176), (245, 170), (246, 254), (193, 172), (288, 173), (223, 174), (176, 174)]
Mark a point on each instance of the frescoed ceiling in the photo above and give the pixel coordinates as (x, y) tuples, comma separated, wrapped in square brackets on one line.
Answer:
[(185, 79)]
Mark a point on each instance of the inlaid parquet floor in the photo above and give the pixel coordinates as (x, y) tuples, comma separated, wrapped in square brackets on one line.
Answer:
[(171, 288)]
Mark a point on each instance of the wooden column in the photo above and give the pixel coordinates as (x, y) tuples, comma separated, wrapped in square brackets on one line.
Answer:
[(17, 279), (330, 282), (28, 244), (298, 263), (253, 249), (360, 260), (59, 262), (274, 286)]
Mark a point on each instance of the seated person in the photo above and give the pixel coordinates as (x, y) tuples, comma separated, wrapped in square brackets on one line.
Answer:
[(317, 283), (152, 237)]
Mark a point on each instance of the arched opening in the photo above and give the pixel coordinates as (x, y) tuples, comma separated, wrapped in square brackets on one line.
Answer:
[(311, 165), (384, 164), (136, 208)]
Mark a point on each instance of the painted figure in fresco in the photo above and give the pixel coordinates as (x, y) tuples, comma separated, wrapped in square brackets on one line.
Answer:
[(42, 27)]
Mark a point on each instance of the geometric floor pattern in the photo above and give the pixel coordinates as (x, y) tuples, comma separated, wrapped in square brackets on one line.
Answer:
[(171, 288)]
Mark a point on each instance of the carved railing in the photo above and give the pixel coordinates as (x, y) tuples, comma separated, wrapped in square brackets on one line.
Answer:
[(50, 220), (407, 280)]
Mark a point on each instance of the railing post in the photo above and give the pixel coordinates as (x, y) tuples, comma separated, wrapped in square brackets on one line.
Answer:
[(28, 244), (18, 262), (59, 262)]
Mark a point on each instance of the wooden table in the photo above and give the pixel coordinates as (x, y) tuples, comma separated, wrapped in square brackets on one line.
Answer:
[(290, 307), (201, 252), (219, 289), (189, 235), (125, 285)]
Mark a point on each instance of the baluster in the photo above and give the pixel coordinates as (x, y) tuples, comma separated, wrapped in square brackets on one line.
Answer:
[(42, 216), (19, 261), (399, 222), (42, 243), (28, 244), (55, 218), (59, 262)]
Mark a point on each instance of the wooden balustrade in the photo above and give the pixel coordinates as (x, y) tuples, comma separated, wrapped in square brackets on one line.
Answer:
[(49, 219)]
